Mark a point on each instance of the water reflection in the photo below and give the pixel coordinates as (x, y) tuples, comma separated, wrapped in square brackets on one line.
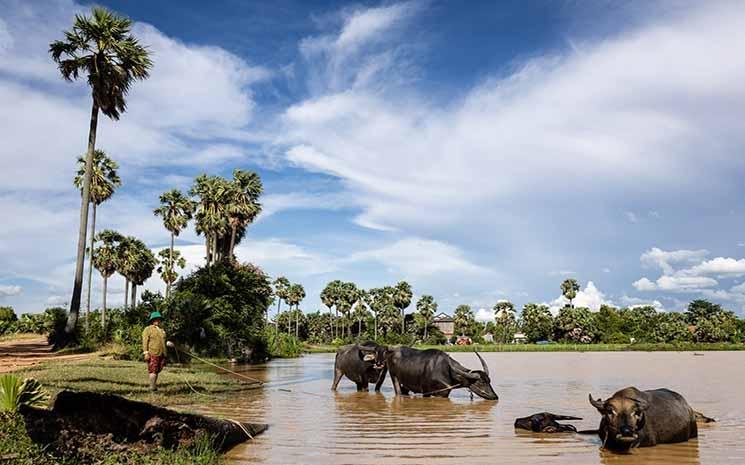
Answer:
[(309, 424)]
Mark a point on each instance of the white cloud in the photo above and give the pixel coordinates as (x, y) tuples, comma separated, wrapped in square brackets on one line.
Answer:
[(58, 300), (10, 290), (631, 217), (275, 203), (719, 266), (562, 273), (656, 257), (645, 284), (633, 302), (420, 257), (684, 283), (606, 270), (484, 315)]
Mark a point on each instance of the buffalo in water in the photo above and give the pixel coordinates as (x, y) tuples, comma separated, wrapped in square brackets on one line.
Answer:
[(361, 363), (634, 418), (546, 423), (433, 373)]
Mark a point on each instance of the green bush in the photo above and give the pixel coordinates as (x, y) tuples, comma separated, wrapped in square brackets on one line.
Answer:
[(282, 345), (8, 314), (15, 392)]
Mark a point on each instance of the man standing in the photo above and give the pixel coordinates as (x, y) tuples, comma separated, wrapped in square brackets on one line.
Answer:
[(154, 348)]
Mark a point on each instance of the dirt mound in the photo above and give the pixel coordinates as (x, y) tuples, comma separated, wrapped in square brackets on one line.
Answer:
[(85, 424)]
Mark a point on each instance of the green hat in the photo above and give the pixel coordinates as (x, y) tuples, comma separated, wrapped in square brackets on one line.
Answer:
[(155, 315)]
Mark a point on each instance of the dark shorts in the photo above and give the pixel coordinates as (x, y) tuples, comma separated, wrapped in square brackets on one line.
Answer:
[(156, 363)]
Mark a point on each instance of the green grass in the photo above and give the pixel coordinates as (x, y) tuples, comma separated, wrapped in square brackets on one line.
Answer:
[(129, 379), (639, 347), (18, 336)]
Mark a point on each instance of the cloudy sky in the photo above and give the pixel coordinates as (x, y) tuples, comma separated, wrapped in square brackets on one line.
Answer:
[(481, 151)]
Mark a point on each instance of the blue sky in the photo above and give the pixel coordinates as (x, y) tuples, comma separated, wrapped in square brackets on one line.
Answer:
[(479, 150)]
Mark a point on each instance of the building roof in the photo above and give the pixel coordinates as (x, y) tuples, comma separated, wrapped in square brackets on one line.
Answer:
[(443, 317)]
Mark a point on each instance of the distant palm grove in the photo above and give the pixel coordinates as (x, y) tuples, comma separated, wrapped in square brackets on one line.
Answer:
[(223, 307)]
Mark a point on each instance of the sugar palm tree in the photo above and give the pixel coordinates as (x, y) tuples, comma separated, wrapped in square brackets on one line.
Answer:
[(244, 204), (102, 48), (330, 297), (281, 286), (105, 259), (426, 306), (462, 319), (176, 211), (136, 263), (211, 215), (168, 260), (295, 295), (360, 310), (104, 181), (402, 299), (569, 289), (504, 317)]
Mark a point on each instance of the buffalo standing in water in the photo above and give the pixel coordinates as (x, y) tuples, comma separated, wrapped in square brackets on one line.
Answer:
[(361, 363), (433, 373), (546, 423), (634, 418)]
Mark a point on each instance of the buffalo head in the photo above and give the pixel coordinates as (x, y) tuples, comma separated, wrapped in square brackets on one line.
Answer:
[(373, 354), (623, 419), (477, 381), (545, 423)]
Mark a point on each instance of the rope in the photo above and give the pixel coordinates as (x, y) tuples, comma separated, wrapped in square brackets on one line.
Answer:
[(240, 425), (240, 375), (443, 389)]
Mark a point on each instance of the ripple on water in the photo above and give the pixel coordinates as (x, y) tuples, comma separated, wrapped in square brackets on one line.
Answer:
[(312, 425)]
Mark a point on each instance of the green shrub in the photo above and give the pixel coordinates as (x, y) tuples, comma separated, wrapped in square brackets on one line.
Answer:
[(15, 392), (8, 314), (282, 345)]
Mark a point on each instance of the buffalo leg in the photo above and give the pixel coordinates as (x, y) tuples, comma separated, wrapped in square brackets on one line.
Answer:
[(337, 378), (396, 385), (381, 379), (362, 387)]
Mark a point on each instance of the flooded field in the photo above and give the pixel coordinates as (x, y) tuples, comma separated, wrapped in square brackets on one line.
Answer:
[(309, 424)]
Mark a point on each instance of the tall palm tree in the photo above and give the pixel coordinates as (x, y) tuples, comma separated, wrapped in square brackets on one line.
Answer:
[(244, 204), (105, 259), (504, 317), (168, 260), (125, 263), (104, 181), (330, 296), (426, 306), (214, 195), (136, 264), (102, 48), (281, 286), (360, 310), (569, 289), (176, 210), (402, 299), (295, 295), (462, 319)]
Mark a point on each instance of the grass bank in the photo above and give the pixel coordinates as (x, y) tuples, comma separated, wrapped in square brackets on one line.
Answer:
[(679, 347), (17, 337), (176, 384)]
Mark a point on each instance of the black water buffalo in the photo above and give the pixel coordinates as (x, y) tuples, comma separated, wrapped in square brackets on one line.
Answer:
[(362, 363), (634, 418), (433, 373), (546, 423)]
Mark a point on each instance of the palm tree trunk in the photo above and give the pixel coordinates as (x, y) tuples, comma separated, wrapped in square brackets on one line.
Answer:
[(232, 241), (103, 309), (90, 265), (359, 327), (206, 249), (279, 304), (376, 326), (425, 329), (297, 321), (77, 288), (134, 296), (403, 321), (126, 293), (170, 271)]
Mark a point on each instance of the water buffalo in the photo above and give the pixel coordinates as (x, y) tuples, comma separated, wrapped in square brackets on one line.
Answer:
[(361, 363), (546, 423), (433, 373), (634, 418)]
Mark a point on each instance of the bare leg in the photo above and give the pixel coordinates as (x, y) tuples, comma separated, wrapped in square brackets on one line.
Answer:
[(337, 378), (153, 381)]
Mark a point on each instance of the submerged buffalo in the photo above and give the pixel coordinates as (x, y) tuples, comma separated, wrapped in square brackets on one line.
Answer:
[(546, 423), (634, 418), (361, 363), (433, 373)]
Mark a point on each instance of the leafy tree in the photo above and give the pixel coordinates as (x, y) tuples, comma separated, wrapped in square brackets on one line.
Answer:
[(401, 300), (8, 314), (101, 47), (219, 310), (608, 322), (504, 320), (569, 289), (536, 322), (176, 211), (574, 324), (103, 182), (319, 327), (426, 306), (716, 327), (105, 259), (168, 260), (463, 320), (671, 327), (699, 310)]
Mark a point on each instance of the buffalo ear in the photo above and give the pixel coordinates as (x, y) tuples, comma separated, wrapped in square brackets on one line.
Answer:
[(642, 404), (366, 355), (598, 404)]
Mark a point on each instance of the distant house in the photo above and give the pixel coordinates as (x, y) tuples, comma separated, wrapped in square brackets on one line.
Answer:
[(519, 338), (445, 324)]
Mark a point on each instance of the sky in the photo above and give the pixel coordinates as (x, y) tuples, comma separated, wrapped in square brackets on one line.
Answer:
[(479, 150)]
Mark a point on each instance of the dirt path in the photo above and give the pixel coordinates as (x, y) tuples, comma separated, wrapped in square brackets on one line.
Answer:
[(15, 355)]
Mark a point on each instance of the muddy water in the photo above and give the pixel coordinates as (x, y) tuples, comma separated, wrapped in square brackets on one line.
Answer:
[(312, 425)]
